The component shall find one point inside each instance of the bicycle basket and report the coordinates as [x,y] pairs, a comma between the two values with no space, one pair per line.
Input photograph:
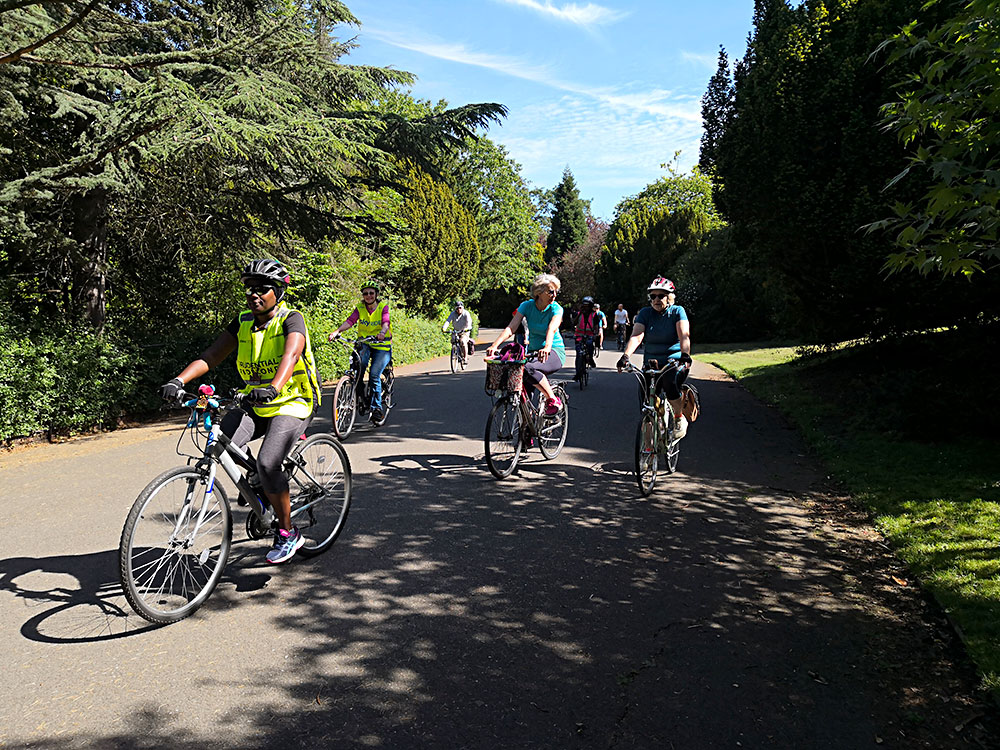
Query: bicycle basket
[504,376]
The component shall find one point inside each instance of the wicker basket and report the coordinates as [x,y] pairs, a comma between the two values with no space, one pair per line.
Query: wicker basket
[506,377]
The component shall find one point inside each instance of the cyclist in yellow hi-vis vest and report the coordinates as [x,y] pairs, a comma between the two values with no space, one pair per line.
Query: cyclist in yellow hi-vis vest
[275,361]
[372,319]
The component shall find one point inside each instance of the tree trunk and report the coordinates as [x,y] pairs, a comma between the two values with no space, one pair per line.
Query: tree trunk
[90,230]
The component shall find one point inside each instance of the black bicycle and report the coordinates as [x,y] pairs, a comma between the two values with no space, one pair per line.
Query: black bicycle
[583,358]
[459,354]
[352,396]
[655,436]
[177,537]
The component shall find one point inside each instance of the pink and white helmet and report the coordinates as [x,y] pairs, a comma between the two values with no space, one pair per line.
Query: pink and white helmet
[663,284]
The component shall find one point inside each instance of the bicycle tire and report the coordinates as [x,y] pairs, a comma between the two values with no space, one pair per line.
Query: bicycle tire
[151,566]
[388,380]
[320,481]
[645,454]
[673,445]
[454,359]
[552,435]
[345,407]
[503,423]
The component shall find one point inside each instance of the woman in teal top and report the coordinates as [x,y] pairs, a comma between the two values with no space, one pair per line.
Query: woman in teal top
[542,315]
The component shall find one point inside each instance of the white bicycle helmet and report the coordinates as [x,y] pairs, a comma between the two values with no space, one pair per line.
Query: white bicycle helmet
[661,283]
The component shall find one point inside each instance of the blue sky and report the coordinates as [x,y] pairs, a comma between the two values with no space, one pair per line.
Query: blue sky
[610,89]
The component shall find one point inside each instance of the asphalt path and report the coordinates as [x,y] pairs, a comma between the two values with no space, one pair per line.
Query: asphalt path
[557,608]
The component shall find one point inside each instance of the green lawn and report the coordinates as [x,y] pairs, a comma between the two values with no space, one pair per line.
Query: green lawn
[912,436]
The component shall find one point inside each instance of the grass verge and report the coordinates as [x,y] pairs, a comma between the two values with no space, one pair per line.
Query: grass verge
[914,442]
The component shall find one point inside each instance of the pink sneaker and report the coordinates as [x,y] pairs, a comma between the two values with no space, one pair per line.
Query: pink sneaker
[552,406]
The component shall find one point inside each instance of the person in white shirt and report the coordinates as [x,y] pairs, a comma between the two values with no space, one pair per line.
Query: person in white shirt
[621,325]
[461,321]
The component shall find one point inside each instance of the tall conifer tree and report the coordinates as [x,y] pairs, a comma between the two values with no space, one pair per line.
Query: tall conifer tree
[569,224]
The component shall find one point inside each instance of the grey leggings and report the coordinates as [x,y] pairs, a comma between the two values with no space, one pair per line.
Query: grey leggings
[280,434]
[534,370]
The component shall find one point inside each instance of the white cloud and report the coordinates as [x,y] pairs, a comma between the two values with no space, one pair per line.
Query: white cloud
[658,102]
[582,15]
[708,61]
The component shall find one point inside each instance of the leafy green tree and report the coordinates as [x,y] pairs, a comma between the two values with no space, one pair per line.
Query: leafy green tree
[242,106]
[948,113]
[444,257]
[569,224]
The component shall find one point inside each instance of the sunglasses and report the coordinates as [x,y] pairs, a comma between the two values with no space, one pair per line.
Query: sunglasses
[259,289]
[368,293]
[553,292]
[657,296]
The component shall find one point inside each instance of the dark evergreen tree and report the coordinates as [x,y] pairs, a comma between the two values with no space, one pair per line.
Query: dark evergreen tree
[569,223]
[716,111]
[241,109]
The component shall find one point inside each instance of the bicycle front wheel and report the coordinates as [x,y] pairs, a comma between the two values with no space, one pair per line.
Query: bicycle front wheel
[454,358]
[344,407]
[320,483]
[503,437]
[171,554]
[645,453]
[552,434]
[672,451]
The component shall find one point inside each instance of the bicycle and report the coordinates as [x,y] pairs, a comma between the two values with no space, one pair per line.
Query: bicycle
[459,354]
[346,395]
[654,435]
[620,335]
[517,420]
[583,361]
[178,534]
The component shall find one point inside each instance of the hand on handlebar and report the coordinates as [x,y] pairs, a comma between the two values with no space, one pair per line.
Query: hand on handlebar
[333,336]
[685,359]
[262,395]
[623,363]
[172,389]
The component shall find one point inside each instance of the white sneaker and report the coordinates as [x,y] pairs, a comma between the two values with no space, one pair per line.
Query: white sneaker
[682,428]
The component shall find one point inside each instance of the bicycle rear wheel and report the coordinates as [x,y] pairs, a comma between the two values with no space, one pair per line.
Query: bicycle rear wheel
[345,405]
[673,446]
[503,437]
[552,435]
[320,483]
[645,453]
[168,563]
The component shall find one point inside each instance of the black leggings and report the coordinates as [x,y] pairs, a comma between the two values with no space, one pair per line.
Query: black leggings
[534,370]
[669,385]
[280,433]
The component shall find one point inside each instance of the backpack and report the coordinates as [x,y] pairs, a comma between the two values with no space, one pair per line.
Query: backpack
[690,403]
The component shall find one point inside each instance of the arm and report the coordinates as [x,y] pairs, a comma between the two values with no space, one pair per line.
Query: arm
[543,353]
[385,324]
[351,320]
[295,343]
[684,336]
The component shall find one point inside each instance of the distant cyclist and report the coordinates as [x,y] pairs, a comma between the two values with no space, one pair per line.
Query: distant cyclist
[542,316]
[372,319]
[665,333]
[602,321]
[585,332]
[461,321]
[621,325]
[275,362]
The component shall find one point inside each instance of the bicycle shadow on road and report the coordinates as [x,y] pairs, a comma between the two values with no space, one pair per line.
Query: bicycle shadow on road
[78,598]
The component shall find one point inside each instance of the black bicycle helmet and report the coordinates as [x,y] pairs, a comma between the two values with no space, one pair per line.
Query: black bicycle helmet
[588,300]
[267,271]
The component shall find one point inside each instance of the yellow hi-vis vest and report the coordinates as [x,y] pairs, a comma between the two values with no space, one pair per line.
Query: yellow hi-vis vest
[370,323]
[257,360]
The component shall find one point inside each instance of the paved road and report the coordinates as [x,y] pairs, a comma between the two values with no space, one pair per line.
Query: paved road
[555,609]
